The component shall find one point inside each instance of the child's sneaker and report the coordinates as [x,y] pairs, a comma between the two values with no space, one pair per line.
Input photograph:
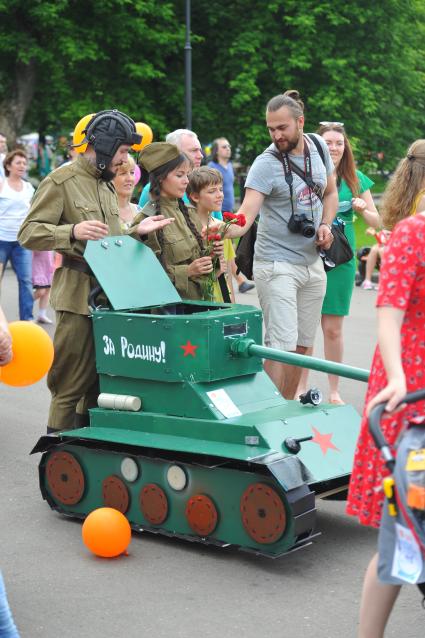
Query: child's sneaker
[368,285]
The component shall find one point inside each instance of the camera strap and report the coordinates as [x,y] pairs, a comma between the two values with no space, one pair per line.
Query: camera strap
[289,166]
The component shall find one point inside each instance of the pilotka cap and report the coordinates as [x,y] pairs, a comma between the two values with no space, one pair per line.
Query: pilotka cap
[157,154]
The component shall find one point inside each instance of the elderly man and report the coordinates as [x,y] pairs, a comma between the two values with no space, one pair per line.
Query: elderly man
[294,190]
[187,142]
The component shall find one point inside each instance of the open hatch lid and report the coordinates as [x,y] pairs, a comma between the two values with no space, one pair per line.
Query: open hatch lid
[129,273]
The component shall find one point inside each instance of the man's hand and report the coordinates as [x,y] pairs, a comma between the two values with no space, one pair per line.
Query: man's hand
[151,224]
[212,229]
[91,229]
[200,267]
[324,237]
[6,353]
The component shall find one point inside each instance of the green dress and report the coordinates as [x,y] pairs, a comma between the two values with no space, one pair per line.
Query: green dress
[340,280]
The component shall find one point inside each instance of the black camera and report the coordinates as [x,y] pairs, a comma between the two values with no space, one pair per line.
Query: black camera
[301,224]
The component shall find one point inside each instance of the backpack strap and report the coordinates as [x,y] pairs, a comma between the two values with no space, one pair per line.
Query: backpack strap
[314,138]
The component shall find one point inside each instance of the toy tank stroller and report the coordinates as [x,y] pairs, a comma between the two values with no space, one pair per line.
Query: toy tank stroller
[401,544]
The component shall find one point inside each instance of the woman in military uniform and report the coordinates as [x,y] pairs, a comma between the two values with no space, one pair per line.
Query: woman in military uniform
[179,247]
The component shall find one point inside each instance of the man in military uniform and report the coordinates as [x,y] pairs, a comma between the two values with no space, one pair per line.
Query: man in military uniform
[75,204]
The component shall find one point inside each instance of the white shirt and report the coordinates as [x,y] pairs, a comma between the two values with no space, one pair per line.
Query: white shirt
[14,207]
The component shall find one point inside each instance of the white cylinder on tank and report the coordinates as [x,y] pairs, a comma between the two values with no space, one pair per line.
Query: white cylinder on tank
[119,402]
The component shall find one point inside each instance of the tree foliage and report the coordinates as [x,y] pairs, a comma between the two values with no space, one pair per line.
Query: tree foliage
[357,62]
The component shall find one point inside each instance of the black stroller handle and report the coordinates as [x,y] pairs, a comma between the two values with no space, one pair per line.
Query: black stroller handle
[375,424]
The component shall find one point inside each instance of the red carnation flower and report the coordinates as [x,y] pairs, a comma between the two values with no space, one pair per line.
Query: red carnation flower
[241,220]
[229,217]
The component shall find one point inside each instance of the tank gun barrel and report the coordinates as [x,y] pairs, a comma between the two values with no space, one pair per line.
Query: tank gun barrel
[248,348]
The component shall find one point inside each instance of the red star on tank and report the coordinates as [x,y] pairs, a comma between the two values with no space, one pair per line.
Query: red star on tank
[189,349]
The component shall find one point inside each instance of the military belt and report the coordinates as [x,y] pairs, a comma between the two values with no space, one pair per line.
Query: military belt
[75,263]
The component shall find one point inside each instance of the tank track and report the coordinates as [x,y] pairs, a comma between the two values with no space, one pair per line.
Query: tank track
[211,500]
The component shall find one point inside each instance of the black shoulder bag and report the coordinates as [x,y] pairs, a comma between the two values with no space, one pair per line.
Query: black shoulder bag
[340,250]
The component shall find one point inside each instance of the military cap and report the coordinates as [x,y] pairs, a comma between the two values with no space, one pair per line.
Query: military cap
[157,154]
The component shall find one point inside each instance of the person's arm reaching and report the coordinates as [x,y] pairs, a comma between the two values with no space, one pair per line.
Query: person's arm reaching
[250,207]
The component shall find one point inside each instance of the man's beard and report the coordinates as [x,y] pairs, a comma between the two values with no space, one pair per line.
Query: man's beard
[289,145]
[107,174]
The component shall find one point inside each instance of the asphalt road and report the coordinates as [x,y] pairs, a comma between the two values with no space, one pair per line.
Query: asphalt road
[169,588]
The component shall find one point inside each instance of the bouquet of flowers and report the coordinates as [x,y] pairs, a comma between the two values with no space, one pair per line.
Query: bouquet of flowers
[229,219]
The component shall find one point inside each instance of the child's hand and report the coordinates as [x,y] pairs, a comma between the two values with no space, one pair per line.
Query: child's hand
[200,267]
[218,249]
[370,231]
[213,228]
[5,347]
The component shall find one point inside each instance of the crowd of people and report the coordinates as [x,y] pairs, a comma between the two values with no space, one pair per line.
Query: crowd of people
[296,189]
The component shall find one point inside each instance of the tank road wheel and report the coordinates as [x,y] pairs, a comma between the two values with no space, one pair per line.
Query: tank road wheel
[115,494]
[263,513]
[201,514]
[65,478]
[154,504]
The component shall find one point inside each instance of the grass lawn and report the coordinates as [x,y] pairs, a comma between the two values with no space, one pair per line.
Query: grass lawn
[359,230]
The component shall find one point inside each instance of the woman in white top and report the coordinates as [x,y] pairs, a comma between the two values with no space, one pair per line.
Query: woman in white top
[15,197]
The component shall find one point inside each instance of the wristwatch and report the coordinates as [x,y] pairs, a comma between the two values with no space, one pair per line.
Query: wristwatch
[325,224]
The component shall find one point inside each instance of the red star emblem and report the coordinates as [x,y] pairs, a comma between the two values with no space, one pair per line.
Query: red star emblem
[324,440]
[189,349]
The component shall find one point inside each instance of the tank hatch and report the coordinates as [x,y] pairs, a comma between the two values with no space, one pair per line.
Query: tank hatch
[126,269]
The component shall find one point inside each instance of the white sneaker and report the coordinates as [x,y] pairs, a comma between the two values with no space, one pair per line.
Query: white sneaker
[45,319]
[368,285]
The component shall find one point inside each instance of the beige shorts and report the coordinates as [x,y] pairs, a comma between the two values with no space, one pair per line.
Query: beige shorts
[291,299]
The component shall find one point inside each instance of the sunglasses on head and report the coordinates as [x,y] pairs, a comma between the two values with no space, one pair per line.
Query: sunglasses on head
[332,124]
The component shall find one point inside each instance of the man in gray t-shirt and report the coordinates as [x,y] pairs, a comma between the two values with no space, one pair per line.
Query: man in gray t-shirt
[288,270]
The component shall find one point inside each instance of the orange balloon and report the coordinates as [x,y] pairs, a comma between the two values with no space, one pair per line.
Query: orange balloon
[78,134]
[32,354]
[106,532]
[147,136]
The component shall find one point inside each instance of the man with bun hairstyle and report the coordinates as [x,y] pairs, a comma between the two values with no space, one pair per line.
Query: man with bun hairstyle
[292,185]
[75,204]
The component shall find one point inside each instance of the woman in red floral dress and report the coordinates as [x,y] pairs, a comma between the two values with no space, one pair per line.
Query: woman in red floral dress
[398,365]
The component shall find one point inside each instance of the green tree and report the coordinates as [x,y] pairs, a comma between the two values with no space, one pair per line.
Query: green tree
[62,59]
[356,62]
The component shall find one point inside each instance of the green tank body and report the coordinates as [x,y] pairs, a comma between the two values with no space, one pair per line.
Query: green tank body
[191,438]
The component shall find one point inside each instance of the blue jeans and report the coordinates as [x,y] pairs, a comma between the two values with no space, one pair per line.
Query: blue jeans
[7,626]
[21,260]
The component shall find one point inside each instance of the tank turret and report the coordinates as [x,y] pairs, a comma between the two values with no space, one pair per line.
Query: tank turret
[191,437]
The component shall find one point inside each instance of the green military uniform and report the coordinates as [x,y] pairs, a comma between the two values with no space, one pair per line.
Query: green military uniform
[180,247]
[69,195]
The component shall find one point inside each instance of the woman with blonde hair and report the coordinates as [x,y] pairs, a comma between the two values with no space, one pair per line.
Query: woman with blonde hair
[397,366]
[124,183]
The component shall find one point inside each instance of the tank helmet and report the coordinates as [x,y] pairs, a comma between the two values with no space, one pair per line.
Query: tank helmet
[107,131]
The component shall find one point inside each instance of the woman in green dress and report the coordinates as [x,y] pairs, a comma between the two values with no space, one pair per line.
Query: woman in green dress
[354,197]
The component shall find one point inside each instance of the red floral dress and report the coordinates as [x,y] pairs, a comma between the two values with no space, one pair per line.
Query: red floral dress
[402,286]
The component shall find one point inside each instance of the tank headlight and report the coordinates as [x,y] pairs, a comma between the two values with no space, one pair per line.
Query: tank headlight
[129,469]
[176,478]
[312,396]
